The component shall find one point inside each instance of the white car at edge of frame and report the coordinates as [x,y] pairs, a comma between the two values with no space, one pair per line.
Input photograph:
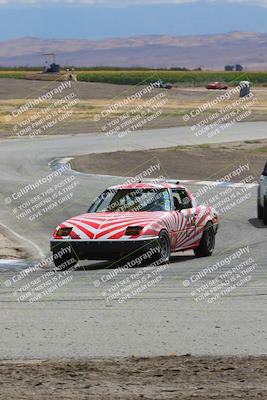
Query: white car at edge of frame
[262,196]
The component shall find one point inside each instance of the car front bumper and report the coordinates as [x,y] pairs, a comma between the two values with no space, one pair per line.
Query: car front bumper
[104,249]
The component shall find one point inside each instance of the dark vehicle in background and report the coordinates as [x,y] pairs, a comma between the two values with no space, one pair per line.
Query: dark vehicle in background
[165,85]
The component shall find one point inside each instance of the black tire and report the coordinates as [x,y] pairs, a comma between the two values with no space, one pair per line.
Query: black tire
[264,214]
[259,206]
[165,248]
[207,243]
[259,210]
[65,262]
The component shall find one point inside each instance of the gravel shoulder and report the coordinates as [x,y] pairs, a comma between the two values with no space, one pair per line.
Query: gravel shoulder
[156,378]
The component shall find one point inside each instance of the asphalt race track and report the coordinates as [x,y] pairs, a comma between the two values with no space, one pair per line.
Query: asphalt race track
[78,319]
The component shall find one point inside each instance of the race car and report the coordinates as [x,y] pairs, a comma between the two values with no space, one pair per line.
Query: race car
[217,86]
[262,196]
[130,219]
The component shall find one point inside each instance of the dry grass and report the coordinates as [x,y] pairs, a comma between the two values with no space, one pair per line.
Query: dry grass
[178,104]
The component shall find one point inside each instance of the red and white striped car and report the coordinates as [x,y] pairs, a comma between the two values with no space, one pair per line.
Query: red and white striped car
[131,218]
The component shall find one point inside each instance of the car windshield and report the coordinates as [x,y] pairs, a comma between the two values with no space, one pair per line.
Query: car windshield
[122,200]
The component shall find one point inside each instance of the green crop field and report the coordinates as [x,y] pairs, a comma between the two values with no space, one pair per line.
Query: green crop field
[13,74]
[138,76]
[186,78]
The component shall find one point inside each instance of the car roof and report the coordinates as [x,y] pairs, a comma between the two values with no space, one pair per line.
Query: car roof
[149,185]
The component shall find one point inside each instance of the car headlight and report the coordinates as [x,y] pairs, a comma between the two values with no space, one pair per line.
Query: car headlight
[133,230]
[63,231]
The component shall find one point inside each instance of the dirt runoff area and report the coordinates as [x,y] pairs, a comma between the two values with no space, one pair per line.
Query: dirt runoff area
[204,162]
[158,378]
[10,248]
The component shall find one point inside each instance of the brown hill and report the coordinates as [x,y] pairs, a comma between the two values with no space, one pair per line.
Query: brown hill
[206,51]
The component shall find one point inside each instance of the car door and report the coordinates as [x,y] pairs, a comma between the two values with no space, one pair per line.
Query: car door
[185,216]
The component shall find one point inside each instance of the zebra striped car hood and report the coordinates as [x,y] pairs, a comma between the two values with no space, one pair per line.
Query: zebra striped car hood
[113,225]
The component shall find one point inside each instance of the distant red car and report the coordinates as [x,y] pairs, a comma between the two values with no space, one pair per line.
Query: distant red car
[217,86]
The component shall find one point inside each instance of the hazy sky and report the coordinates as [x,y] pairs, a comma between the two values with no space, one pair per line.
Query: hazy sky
[113,18]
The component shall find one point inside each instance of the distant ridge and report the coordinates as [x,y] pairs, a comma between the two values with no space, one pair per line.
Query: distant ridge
[205,51]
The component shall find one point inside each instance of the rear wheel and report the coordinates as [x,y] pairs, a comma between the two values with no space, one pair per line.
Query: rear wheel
[264,214]
[207,243]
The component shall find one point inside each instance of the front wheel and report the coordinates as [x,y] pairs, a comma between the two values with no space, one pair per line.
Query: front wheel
[164,248]
[264,215]
[260,210]
[259,206]
[207,243]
